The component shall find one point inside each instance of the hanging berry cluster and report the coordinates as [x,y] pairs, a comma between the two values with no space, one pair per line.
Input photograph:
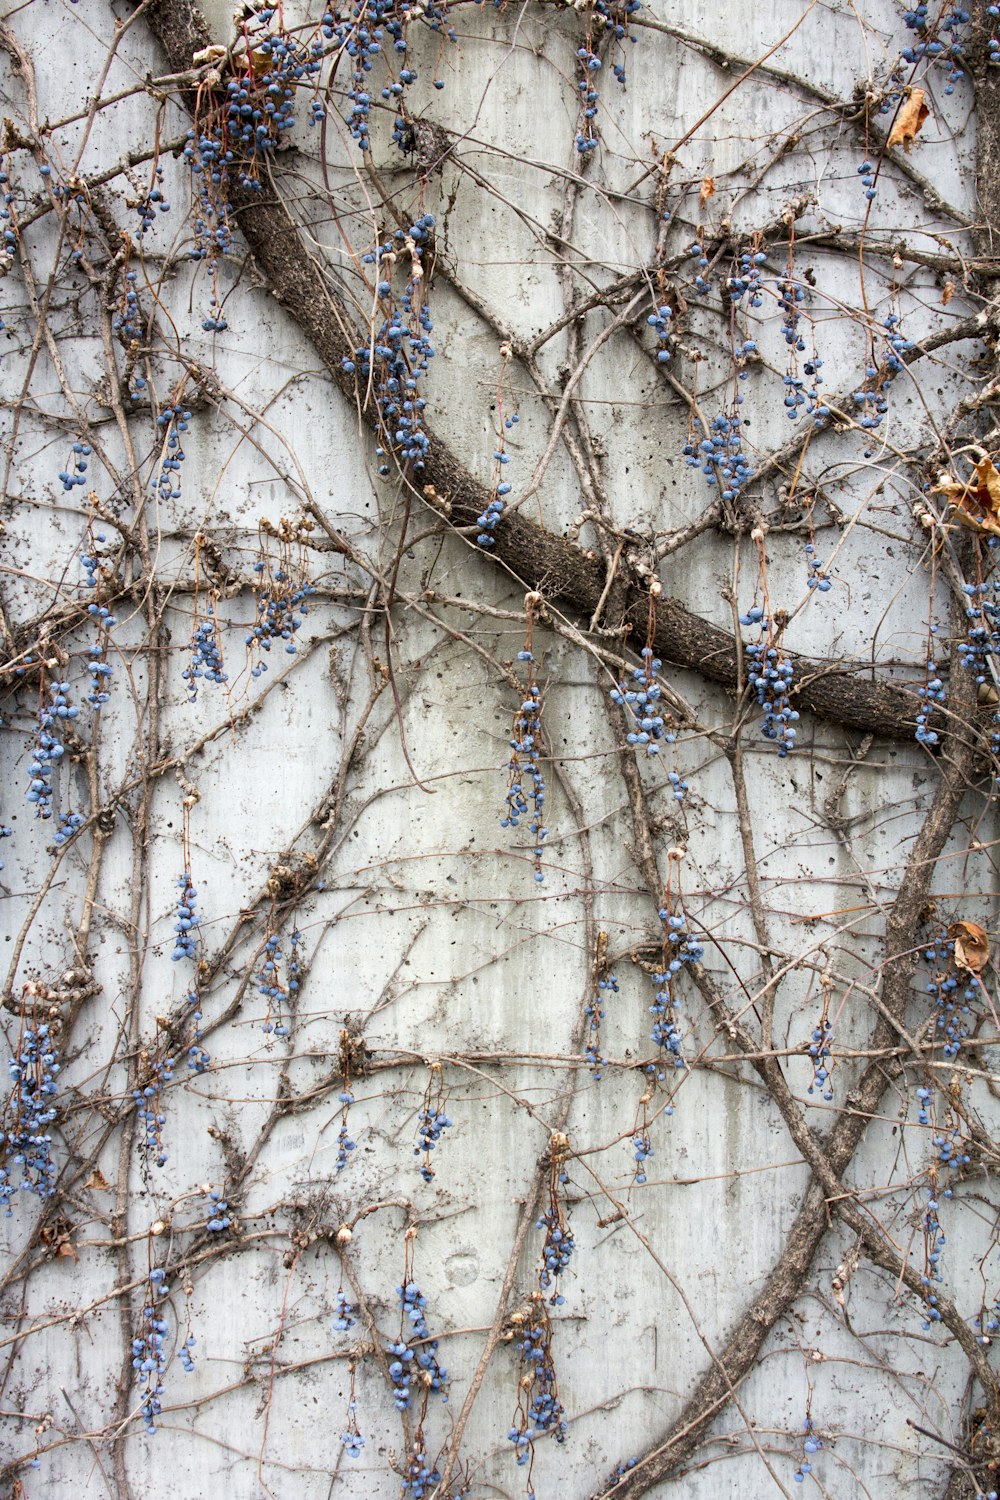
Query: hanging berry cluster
[769,674]
[414,1368]
[433,1120]
[155,1073]
[539,1409]
[26,1161]
[149,1353]
[397,359]
[282,591]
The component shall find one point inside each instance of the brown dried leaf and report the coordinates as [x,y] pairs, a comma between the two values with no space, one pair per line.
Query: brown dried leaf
[911,117]
[972,946]
[977,505]
[98,1181]
[947,292]
[56,1237]
[707,190]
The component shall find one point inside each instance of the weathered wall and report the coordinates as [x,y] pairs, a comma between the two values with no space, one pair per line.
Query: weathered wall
[352,793]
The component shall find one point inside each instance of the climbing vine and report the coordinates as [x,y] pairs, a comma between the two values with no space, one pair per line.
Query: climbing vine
[499,697]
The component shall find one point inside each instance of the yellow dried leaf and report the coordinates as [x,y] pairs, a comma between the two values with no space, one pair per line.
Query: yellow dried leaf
[707,190]
[972,946]
[912,115]
[977,505]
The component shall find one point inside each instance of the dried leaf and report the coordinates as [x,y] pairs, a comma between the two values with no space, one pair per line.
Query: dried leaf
[56,1237]
[977,505]
[972,946]
[947,292]
[911,117]
[98,1181]
[707,190]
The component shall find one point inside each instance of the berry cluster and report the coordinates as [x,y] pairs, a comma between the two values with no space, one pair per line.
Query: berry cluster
[811,1444]
[149,1359]
[350,1436]
[619,1471]
[218,1213]
[660,320]
[345,1145]
[791,295]
[610,16]
[940,39]
[816,571]
[432,1121]
[151,203]
[198,1059]
[416,1365]
[679,949]
[6,219]
[953,999]
[206,654]
[259,106]
[281,608]
[269,984]
[642,1150]
[159,1072]
[539,1409]
[49,751]
[77,473]
[188,920]
[367,29]
[934,692]
[746,282]
[25,1142]
[820,1049]
[934,1242]
[702,285]
[173,423]
[96,572]
[770,674]
[127,320]
[557,1250]
[648,729]
[588,65]
[236,133]
[981,648]
[345,1313]
[720,456]
[209,160]
[401,349]
[420,1475]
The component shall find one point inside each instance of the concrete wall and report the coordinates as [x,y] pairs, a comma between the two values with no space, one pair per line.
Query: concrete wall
[428,951]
